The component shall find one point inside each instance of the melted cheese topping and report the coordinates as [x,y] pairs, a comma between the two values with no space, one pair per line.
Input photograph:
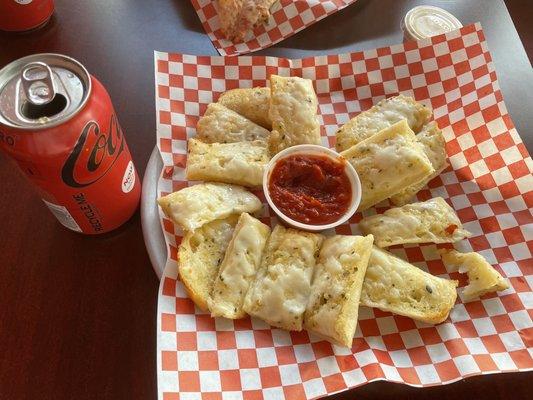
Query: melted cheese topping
[392,152]
[293,111]
[337,254]
[222,125]
[387,163]
[433,145]
[332,307]
[381,116]
[253,104]
[240,163]
[429,221]
[392,284]
[286,288]
[197,205]
[238,267]
[280,291]
[482,277]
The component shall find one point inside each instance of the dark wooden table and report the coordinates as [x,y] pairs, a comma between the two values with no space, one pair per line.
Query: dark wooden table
[77,314]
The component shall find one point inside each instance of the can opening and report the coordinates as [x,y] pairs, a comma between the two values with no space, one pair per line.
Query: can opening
[35,111]
[42,91]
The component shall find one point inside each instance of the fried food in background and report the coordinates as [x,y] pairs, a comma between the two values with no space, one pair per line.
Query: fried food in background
[239,17]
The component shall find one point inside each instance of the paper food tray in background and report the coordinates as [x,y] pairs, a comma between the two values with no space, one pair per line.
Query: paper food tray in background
[288,17]
[489,184]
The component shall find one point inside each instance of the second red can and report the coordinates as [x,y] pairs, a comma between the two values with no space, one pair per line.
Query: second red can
[24,15]
[58,123]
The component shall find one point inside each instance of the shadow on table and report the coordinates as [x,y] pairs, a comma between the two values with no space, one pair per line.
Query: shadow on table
[188,15]
[340,29]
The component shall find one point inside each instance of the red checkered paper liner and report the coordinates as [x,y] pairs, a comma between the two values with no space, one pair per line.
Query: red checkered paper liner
[288,17]
[489,183]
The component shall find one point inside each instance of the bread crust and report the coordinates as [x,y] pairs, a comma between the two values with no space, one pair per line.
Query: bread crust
[199,256]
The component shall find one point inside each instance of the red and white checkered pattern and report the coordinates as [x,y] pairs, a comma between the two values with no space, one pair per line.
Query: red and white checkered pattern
[288,17]
[489,183]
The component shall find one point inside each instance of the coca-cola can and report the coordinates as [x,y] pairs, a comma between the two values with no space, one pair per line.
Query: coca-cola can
[24,15]
[58,124]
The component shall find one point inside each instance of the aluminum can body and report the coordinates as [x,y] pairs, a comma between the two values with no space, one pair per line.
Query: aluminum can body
[24,15]
[80,163]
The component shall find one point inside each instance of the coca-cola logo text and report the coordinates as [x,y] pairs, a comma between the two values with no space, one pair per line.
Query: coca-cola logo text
[94,154]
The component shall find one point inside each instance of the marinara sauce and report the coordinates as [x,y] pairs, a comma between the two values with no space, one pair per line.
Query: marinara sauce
[311,189]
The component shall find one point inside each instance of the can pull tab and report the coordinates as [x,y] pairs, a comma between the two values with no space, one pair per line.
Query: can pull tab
[38,83]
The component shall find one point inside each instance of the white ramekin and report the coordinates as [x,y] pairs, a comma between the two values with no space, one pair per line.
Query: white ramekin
[312,149]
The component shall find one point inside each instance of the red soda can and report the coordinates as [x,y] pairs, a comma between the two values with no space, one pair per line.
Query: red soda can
[58,124]
[24,15]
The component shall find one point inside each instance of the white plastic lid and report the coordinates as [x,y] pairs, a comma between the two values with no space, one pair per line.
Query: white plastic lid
[425,21]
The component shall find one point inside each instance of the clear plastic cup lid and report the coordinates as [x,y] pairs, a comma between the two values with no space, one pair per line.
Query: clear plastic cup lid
[426,21]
